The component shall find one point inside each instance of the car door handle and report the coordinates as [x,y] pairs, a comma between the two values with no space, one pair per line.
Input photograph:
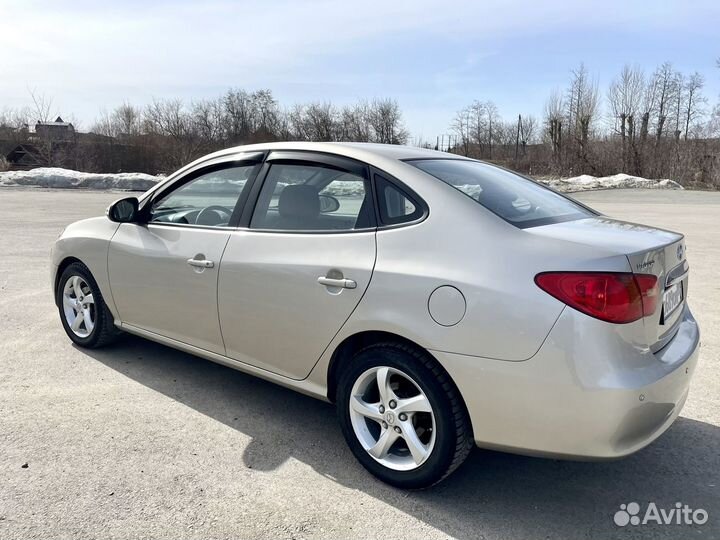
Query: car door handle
[200,263]
[332,282]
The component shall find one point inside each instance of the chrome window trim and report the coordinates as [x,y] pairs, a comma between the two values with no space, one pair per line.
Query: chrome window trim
[182,173]
[311,157]
[187,226]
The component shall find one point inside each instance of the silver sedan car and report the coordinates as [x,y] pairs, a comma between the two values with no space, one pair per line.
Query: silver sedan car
[440,302]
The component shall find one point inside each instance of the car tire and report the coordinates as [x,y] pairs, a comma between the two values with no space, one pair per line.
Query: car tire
[75,287]
[444,433]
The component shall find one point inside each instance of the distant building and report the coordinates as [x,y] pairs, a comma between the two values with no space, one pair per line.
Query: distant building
[50,144]
[24,157]
[58,130]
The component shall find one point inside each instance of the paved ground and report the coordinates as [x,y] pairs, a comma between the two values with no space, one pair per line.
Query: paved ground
[141,441]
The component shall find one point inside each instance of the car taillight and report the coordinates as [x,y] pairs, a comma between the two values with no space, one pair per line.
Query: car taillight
[648,285]
[617,297]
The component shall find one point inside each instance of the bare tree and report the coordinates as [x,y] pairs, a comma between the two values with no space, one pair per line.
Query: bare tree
[54,147]
[124,121]
[712,129]
[266,114]
[625,97]
[315,122]
[487,127]
[648,108]
[386,122]
[666,87]
[284,128]
[355,122]
[42,105]
[525,133]
[104,125]
[477,127]
[554,114]
[461,128]
[14,125]
[208,119]
[506,135]
[128,119]
[679,104]
[582,107]
[528,129]
[170,120]
[694,100]
[239,116]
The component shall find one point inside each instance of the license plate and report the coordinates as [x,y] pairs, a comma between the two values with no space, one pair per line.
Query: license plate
[672,298]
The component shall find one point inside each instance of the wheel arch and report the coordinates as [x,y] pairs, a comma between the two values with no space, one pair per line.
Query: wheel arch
[97,272]
[344,352]
[67,261]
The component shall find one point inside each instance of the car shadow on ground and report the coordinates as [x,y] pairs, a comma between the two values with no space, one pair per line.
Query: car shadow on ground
[522,496]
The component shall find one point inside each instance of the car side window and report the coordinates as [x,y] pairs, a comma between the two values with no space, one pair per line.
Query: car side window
[207,200]
[312,197]
[394,204]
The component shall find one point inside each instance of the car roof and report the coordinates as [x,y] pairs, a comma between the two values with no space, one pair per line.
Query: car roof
[361,151]
[386,157]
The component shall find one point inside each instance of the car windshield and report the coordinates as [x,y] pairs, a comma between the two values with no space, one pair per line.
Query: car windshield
[514,198]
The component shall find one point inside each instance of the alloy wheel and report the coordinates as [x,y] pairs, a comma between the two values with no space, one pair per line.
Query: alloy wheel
[79,306]
[392,418]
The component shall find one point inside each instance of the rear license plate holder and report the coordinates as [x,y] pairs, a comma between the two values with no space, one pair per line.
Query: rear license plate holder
[672,299]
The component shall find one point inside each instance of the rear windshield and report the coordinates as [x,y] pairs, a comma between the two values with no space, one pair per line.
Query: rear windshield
[514,198]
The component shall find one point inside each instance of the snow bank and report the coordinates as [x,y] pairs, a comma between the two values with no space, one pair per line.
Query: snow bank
[586,182]
[53,177]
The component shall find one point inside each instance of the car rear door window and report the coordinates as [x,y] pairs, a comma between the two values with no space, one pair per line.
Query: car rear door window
[394,204]
[312,197]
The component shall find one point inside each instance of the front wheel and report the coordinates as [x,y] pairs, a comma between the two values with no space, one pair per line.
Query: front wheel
[83,313]
[402,416]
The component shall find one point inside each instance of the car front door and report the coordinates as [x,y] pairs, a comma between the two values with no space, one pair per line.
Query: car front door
[297,267]
[163,272]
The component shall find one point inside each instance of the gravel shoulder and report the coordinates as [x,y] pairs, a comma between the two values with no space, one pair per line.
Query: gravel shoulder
[140,441]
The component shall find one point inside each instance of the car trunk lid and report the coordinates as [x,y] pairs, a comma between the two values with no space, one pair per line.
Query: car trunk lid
[649,251]
[668,263]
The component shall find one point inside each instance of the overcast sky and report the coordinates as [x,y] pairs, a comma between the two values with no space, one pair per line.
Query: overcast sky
[433,57]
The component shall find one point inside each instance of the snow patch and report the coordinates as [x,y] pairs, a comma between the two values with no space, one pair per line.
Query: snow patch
[55,177]
[586,182]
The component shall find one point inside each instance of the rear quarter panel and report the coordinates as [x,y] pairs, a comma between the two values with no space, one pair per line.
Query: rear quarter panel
[491,262]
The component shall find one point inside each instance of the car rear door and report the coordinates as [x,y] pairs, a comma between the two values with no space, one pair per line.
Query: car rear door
[300,262]
[163,272]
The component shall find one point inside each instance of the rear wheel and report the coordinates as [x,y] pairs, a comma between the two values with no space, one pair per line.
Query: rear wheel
[83,313]
[402,416]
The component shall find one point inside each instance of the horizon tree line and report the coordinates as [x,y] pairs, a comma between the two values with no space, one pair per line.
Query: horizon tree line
[654,124]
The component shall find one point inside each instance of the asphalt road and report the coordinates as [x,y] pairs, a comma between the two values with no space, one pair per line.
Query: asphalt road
[141,441]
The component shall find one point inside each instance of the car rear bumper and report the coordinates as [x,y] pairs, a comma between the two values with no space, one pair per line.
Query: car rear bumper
[588,393]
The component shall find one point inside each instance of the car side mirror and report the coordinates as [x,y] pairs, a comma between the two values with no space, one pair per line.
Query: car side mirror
[124,210]
[328,204]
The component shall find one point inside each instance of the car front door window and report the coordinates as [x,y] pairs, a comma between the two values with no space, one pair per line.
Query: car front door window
[208,200]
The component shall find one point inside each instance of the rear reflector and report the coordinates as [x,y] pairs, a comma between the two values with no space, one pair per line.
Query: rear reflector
[616,297]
